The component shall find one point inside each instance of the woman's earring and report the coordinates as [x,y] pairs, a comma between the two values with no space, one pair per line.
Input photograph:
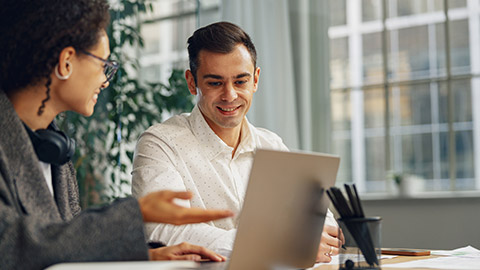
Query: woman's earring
[60,77]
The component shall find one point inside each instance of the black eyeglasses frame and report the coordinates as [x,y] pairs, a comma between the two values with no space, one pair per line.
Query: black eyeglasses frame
[110,67]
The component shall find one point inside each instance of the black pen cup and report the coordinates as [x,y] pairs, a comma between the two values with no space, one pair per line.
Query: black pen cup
[362,247]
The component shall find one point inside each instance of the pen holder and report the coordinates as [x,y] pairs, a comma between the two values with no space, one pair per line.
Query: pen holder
[362,243]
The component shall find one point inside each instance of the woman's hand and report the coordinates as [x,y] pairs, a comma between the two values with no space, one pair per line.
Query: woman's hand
[184,251]
[159,207]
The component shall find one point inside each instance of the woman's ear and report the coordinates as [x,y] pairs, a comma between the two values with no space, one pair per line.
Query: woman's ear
[64,67]
[192,86]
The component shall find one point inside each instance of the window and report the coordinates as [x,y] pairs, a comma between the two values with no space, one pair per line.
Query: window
[165,31]
[390,97]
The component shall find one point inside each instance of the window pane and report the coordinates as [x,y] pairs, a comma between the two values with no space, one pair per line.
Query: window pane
[165,47]
[374,108]
[456,4]
[338,12]
[460,48]
[409,54]
[410,105]
[341,110]
[465,169]
[341,141]
[410,7]
[374,114]
[339,63]
[438,4]
[417,155]
[174,34]
[375,162]
[372,58]
[440,57]
[168,8]
[462,94]
[371,10]
[151,38]
[206,4]
[209,12]
[465,172]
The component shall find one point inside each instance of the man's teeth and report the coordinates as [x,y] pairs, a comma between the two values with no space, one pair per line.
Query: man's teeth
[228,110]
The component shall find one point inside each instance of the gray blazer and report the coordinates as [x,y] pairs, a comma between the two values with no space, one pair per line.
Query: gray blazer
[38,230]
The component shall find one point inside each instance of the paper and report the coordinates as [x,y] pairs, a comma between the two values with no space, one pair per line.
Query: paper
[457,259]
[465,251]
[450,263]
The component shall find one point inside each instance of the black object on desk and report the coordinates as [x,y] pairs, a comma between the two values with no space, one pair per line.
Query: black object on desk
[352,214]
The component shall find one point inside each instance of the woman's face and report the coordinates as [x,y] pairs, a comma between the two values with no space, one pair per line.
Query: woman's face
[79,93]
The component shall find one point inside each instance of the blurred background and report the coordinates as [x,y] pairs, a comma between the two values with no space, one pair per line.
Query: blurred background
[391,86]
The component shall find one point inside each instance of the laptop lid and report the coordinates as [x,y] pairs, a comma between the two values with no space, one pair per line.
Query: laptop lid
[284,210]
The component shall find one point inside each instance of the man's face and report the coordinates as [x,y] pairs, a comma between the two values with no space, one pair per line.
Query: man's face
[225,87]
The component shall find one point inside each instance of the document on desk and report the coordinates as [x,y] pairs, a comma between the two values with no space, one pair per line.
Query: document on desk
[458,259]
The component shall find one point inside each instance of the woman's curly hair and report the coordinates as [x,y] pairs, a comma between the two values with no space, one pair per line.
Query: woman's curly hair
[33,33]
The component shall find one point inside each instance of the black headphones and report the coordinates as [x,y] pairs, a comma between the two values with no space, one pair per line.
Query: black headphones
[51,145]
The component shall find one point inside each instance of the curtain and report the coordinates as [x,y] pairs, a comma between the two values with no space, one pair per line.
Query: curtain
[291,38]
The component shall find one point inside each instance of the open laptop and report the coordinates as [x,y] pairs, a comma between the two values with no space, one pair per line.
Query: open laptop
[284,211]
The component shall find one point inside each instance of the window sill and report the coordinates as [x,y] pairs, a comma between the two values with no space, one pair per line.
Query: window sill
[421,195]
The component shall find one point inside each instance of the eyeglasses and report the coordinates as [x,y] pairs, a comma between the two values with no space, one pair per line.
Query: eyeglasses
[110,68]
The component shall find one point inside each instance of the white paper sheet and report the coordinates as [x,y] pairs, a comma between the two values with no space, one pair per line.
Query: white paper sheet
[449,262]
[465,251]
[466,258]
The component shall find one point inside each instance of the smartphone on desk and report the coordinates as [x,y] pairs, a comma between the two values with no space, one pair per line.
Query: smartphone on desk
[405,251]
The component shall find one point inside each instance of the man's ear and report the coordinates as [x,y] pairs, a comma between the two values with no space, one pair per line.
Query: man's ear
[192,86]
[256,77]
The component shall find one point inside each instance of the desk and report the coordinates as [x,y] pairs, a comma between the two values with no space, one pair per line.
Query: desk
[397,259]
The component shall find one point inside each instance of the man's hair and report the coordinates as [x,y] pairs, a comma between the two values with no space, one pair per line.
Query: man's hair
[220,37]
[33,33]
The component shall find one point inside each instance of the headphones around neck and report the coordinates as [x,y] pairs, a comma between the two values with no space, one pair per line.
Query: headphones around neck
[51,145]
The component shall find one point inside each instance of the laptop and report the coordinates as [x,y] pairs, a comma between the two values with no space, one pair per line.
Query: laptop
[283,212]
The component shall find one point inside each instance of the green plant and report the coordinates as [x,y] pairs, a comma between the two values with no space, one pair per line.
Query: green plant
[106,140]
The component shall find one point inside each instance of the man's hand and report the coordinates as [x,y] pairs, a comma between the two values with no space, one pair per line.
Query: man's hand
[330,244]
[159,207]
[184,251]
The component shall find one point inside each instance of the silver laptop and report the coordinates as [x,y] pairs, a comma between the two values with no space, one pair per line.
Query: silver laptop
[284,211]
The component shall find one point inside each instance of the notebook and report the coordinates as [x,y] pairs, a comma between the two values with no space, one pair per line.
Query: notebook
[284,211]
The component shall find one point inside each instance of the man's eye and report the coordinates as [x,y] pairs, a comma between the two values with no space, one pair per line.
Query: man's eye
[241,82]
[214,83]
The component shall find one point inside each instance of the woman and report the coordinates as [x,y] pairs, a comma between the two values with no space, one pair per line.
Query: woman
[53,56]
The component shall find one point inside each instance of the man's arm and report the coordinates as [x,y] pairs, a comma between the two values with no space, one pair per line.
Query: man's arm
[154,168]
[202,234]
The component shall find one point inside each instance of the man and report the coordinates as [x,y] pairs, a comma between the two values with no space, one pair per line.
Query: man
[210,151]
